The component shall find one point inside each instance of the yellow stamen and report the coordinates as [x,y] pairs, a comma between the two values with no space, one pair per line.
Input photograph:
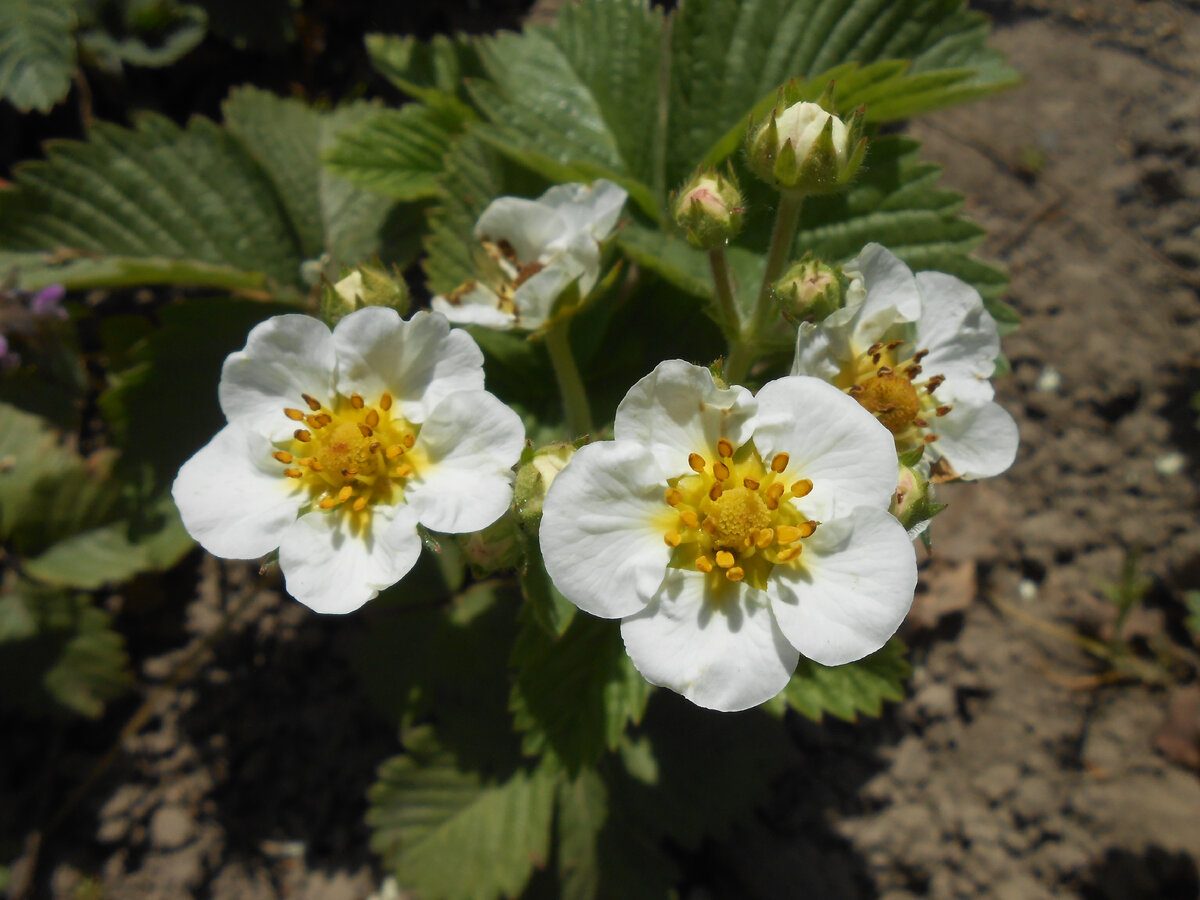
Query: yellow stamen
[787,534]
[327,503]
[764,538]
[689,518]
[283,456]
[725,449]
[720,471]
[942,410]
[709,525]
[790,553]
[802,488]
[750,484]
[360,504]
[806,529]
[365,430]
[704,564]
[373,447]
[373,418]
[715,492]
[672,538]
[737,573]
[294,414]
[301,435]
[404,471]
[393,451]
[725,559]
[930,438]
[774,492]
[345,493]
[780,462]
[385,402]
[292,473]
[313,403]
[696,461]
[356,401]
[674,496]
[324,419]
[409,440]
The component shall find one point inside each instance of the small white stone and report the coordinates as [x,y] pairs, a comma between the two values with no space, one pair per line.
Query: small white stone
[1170,464]
[1049,381]
[1027,590]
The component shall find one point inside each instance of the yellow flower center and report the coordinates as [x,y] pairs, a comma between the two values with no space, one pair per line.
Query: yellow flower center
[895,391]
[734,518]
[351,455]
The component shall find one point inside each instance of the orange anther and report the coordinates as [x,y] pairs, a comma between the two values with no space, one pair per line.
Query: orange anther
[301,435]
[393,451]
[715,492]
[294,414]
[920,355]
[360,504]
[356,401]
[704,564]
[780,462]
[314,465]
[385,402]
[672,538]
[921,423]
[720,471]
[737,573]
[912,372]
[875,348]
[807,528]
[942,410]
[327,503]
[802,488]
[404,471]
[787,534]
[313,403]
[372,418]
[750,484]
[775,492]
[789,553]
[725,449]
[365,430]
[373,447]
[696,461]
[292,473]
[283,456]
[892,345]
[408,440]
[324,419]
[725,559]
[884,371]
[930,438]
[345,493]
[709,525]
[689,518]
[673,496]
[764,538]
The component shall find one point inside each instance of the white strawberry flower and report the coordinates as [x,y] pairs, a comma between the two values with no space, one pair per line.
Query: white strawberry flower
[731,532]
[917,351]
[339,444]
[535,250]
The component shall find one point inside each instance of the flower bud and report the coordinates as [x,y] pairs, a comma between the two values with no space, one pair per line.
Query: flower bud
[802,147]
[371,284]
[494,548]
[810,290]
[534,477]
[709,209]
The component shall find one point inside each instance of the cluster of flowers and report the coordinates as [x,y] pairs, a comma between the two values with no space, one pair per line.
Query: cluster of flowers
[729,531]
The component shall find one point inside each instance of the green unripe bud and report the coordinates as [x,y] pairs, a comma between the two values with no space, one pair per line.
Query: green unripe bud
[810,290]
[494,548]
[371,284]
[709,209]
[804,148]
[534,477]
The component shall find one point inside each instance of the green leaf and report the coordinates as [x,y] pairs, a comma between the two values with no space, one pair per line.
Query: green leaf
[575,695]
[30,451]
[288,138]
[582,809]
[449,833]
[396,152]
[151,34]
[432,72]
[855,688]
[37,52]
[58,649]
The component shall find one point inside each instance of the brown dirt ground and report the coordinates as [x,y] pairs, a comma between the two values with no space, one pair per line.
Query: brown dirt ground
[1013,770]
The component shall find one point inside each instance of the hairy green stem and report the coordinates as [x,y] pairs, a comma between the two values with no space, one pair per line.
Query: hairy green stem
[745,351]
[723,288]
[570,385]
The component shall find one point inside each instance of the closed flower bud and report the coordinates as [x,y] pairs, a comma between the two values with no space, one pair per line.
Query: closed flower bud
[709,209]
[371,284]
[494,548]
[810,290]
[534,477]
[802,147]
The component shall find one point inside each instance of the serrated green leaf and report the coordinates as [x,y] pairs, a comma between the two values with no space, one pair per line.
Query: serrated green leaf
[575,695]
[850,690]
[432,72]
[37,52]
[152,35]
[62,650]
[288,138]
[449,834]
[399,153]
[30,451]
[582,809]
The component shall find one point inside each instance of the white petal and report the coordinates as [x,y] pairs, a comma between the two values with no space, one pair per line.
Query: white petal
[955,328]
[978,441]
[478,306]
[528,225]
[234,498]
[678,409]
[472,441]
[830,439]
[853,590]
[534,299]
[600,533]
[419,361]
[332,570]
[721,651]
[816,352]
[284,357]
[892,294]
[587,209]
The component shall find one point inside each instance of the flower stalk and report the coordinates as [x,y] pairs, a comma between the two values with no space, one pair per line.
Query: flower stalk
[570,384]
[731,320]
